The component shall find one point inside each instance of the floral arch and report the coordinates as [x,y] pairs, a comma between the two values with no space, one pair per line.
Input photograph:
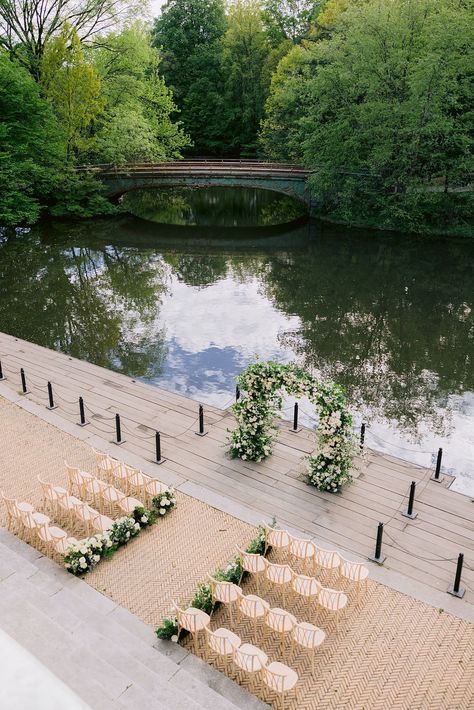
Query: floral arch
[255,414]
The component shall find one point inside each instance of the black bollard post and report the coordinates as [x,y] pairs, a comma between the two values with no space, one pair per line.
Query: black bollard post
[362,436]
[237,393]
[82,414]
[50,397]
[438,467]
[158,458]
[295,428]
[24,388]
[118,431]
[456,590]
[378,558]
[201,431]
[411,499]
[2,376]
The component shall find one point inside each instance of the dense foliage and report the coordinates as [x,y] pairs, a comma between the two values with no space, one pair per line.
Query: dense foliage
[374,96]
[380,106]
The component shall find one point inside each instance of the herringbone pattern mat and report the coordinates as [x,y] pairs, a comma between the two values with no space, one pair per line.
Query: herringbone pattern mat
[164,563]
[391,653]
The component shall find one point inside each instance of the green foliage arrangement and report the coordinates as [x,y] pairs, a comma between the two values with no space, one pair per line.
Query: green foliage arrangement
[255,414]
[86,554]
[203,596]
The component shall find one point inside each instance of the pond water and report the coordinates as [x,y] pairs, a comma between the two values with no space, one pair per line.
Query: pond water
[188,307]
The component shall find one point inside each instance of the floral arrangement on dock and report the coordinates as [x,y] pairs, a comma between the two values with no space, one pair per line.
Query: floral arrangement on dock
[255,413]
[83,556]
[203,597]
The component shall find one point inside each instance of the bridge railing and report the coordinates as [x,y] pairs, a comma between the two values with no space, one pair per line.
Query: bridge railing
[229,167]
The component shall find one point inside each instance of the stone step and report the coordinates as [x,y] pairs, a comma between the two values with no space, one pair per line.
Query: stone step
[104,653]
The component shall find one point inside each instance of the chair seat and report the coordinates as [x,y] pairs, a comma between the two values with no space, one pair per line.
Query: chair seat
[229,641]
[305,586]
[247,649]
[230,593]
[153,486]
[282,575]
[287,680]
[129,504]
[281,621]
[68,502]
[62,544]
[248,607]
[56,533]
[200,618]
[102,522]
[333,602]
[59,490]
[308,635]
[40,518]
[93,485]
[354,576]
[25,507]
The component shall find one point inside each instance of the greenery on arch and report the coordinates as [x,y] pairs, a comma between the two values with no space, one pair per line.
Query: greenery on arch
[262,382]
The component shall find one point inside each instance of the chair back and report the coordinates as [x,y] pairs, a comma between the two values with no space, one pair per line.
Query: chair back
[352,570]
[307,635]
[278,574]
[279,620]
[253,606]
[301,548]
[187,618]
[10,506]
[83,512]
[305,586]
[274,680]
[112,494]
[332,599]
[136,477]
[250,561]
[26,518]
[327,558]
[276,538]
[249,661]
[219,644]
[224,592]
[74,475]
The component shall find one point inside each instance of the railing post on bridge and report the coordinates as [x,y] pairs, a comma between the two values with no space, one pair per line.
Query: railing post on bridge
[158,458]
[201,431]
[82,414]
[378,557]
[118,431]
[50,397]
[436,476]
[295,428]
[24,388]
[456,589]
[410,514]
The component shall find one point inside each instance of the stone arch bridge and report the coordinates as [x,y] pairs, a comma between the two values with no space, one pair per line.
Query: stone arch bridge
[286,178]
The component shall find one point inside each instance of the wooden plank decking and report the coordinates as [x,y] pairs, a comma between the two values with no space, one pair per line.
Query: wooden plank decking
[423,550]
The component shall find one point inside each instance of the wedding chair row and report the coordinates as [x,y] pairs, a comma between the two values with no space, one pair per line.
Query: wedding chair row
[246,657]
[130,479]
[105,496]
[69,509]
[254,607]
[354,573]
[24,520]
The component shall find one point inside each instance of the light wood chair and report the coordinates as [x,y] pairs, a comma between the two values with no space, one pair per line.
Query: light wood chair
[50,495]
[105,465]
[137,482]
[101,523]
[355,573]
[223,643]
[110,497]
[94,491]
[226,593]
[62,545]
[308,637]
[306,587]
[252,607]
[77,480]
[303,551]
[327,561]
[253,564]
[280,679]
[281,622]
[127,504]
[153,488]
[85,515]
[30,522]
[249,660]
[66,506]
[49,534]
[193,620]
[121,477]
[276,539]
[278,575]
[13,510]
[333,602]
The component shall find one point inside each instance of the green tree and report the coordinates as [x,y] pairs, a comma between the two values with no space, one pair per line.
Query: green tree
[136,123]
[245,53]
[189,34]
[72,86]
[31,146]
[288,19]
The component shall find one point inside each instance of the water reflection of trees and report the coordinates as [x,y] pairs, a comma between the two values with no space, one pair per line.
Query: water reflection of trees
[95,303]
[391,320]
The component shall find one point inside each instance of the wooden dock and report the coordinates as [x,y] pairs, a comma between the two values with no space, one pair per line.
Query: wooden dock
[423,550]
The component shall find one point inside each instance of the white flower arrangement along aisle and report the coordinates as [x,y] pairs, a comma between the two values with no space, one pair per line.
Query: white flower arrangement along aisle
[255,413]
